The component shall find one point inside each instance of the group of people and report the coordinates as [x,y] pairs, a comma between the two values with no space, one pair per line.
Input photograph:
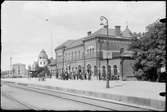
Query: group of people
[65,75]
[87,75]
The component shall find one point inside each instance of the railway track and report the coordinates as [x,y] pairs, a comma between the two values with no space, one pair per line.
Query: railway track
[20,102]
[109,105]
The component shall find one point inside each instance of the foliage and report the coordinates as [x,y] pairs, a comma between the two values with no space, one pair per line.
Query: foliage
[150,52]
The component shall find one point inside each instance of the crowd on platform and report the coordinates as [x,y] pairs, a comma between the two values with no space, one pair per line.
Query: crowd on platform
[88,75]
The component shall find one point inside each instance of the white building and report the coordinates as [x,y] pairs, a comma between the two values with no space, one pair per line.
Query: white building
[19,70]
[42,59]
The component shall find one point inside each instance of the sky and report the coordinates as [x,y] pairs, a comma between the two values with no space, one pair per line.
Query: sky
[27,27]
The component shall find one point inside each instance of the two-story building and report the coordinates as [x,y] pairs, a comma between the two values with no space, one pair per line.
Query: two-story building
[89,53]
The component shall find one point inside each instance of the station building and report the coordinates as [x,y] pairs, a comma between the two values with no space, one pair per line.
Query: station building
[90,53]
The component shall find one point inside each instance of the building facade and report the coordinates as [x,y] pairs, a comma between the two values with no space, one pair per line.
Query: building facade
[90,53]
[19,70]
[52,67]
[42,59]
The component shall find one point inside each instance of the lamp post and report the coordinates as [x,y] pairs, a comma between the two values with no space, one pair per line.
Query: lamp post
[106,26]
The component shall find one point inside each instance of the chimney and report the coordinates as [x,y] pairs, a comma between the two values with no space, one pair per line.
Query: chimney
[89,33]
[118,30]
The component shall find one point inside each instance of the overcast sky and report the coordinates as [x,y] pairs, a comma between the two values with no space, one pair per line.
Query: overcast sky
[25,31]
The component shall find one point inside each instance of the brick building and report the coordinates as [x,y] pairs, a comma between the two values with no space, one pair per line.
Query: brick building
[88,53]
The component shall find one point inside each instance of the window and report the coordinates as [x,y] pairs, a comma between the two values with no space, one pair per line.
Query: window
[79,54]
[72,56]
[75,55]
[90,51]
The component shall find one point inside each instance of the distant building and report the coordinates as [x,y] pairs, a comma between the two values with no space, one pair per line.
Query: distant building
[42,59]
[19,70]
[5,74]
[34,66]
[89,53]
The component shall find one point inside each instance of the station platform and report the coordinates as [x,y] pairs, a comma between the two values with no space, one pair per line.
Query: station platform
[140,93]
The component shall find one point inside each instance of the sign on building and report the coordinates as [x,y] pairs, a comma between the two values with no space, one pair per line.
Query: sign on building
[107,54]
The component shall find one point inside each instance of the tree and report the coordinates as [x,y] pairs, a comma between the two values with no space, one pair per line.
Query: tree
[150,52]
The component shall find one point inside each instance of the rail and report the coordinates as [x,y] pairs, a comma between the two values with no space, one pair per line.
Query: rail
[82,99]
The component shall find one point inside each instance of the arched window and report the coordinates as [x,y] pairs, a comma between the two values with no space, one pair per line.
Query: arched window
[75,55]
[95,70]
[78,54]
[72,56]
[115,70]
[90,51]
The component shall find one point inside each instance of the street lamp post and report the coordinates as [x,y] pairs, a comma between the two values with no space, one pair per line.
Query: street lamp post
[106,26]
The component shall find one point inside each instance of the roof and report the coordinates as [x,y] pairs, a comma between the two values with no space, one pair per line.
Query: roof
[127,32]
[100,32]
[75,43]
[103,31]
[43,54]
[53,62]
[66,43]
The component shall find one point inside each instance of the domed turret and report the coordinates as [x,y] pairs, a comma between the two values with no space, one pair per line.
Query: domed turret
[42,59]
